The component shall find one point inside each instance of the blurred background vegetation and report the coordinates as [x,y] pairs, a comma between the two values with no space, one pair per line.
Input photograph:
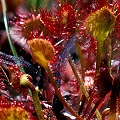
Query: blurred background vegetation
[13,7]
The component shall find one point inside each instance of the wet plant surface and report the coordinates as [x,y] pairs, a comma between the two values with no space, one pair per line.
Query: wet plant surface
[59,60]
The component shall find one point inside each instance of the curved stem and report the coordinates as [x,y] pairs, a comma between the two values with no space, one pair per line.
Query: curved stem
[24,82]
[37,104]
[60,96]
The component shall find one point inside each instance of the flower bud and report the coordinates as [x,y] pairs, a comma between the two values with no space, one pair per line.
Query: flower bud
[42,51]
[101,23]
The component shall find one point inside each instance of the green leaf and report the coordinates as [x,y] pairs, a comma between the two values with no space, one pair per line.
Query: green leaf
[8,32]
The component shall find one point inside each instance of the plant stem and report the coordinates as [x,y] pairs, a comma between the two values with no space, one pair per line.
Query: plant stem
[115,94]
[8,33]
[82,86]
[81,60]
[7,28]
[111,55]
[60,96]
[78,78]
[24,82]
[37,104]
[99,55]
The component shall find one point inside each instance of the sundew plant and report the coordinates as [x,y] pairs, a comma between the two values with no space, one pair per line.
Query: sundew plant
[60,60]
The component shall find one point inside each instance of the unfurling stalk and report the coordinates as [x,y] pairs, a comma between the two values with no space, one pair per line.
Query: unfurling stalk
[105,113]
[60,96]
[37,104]
[24,82]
